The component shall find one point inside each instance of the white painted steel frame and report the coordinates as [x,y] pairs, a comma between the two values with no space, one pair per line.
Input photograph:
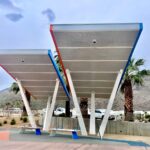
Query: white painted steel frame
[53,103]
[110,104]
[76,104]
[26,104]
[47,114]
[99,62]
[92,115]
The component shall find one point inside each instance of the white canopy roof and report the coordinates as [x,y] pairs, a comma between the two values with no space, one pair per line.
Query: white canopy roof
[34,69]
[93,53]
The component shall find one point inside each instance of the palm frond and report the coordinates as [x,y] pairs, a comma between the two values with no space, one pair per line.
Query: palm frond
[144,72]
[137,80]
[14,88]
[139,62]
[134,73]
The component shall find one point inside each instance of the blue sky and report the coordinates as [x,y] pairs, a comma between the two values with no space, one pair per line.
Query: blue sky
[25,23]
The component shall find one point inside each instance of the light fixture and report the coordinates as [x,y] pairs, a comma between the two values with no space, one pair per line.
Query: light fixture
[94,41]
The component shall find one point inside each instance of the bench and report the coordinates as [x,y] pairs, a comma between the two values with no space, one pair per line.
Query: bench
[73,131]
[37,129]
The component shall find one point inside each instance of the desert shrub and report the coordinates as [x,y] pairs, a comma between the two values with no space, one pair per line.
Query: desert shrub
[5,122]
[13,122]
[1,124]
[25,119]
[21,118]
[147,116]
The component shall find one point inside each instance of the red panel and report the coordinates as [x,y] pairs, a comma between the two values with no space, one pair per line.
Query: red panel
[58,51]
[8,72]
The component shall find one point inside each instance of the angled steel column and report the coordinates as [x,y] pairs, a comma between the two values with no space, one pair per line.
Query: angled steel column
[92,115]
[58,73]
[76,104]
[25,101]
[110,103]
[53,103]
[47,113]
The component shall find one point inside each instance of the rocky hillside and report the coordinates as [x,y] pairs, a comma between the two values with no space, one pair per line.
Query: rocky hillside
[15,100]
[141,99]
[8,97]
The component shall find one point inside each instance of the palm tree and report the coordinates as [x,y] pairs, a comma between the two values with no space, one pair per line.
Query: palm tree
[64,78]
[7,107]
[133,76]
[15,89]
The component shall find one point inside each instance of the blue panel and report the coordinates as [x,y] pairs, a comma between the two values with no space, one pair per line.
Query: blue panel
[75,135]
[135,43]
[58,73]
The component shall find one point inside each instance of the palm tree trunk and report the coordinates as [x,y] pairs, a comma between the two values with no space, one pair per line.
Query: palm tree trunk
[24,113]
[68,114]
[128,107]
[67,108]
[84,106]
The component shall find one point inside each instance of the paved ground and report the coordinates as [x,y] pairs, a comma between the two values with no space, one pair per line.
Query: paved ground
[145,139]
[63,146]
[13,140]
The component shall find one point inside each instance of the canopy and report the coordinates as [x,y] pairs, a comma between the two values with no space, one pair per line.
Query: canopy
[94,54]
[34,69]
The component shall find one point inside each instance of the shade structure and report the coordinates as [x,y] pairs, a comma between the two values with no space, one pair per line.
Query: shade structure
[34,69]
[95,53]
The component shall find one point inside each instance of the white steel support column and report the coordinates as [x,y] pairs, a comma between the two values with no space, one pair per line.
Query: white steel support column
[47,113]
[92,115]
[26,104]
[53,103]
[76,104]
[109,106]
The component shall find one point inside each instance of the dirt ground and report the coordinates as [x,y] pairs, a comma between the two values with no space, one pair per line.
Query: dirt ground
[18,120]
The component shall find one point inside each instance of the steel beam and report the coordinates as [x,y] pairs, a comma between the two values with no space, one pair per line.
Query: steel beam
[76,104]
[92,115]
[47,113]
[53,103]
[25,101]
[110,104]
[58,73]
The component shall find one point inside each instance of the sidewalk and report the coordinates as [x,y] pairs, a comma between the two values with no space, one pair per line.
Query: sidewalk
[144,139]
[64,146]
[12,139]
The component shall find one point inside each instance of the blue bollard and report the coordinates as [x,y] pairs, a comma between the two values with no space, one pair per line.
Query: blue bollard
[37,131]
[74,135]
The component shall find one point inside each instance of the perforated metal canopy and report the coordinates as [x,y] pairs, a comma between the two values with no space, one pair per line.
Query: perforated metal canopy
[34,69]
[94,54]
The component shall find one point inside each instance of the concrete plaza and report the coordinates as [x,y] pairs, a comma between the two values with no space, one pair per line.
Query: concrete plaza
[14,140]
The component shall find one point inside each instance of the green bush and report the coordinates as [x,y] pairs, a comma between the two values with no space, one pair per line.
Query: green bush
[21,118]
[13,122]
[1,124]
[147,116]
[25,119]
[5,122]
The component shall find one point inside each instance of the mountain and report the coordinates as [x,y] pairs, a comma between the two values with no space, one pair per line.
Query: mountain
[15,100]
[141,99]
[9,97]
